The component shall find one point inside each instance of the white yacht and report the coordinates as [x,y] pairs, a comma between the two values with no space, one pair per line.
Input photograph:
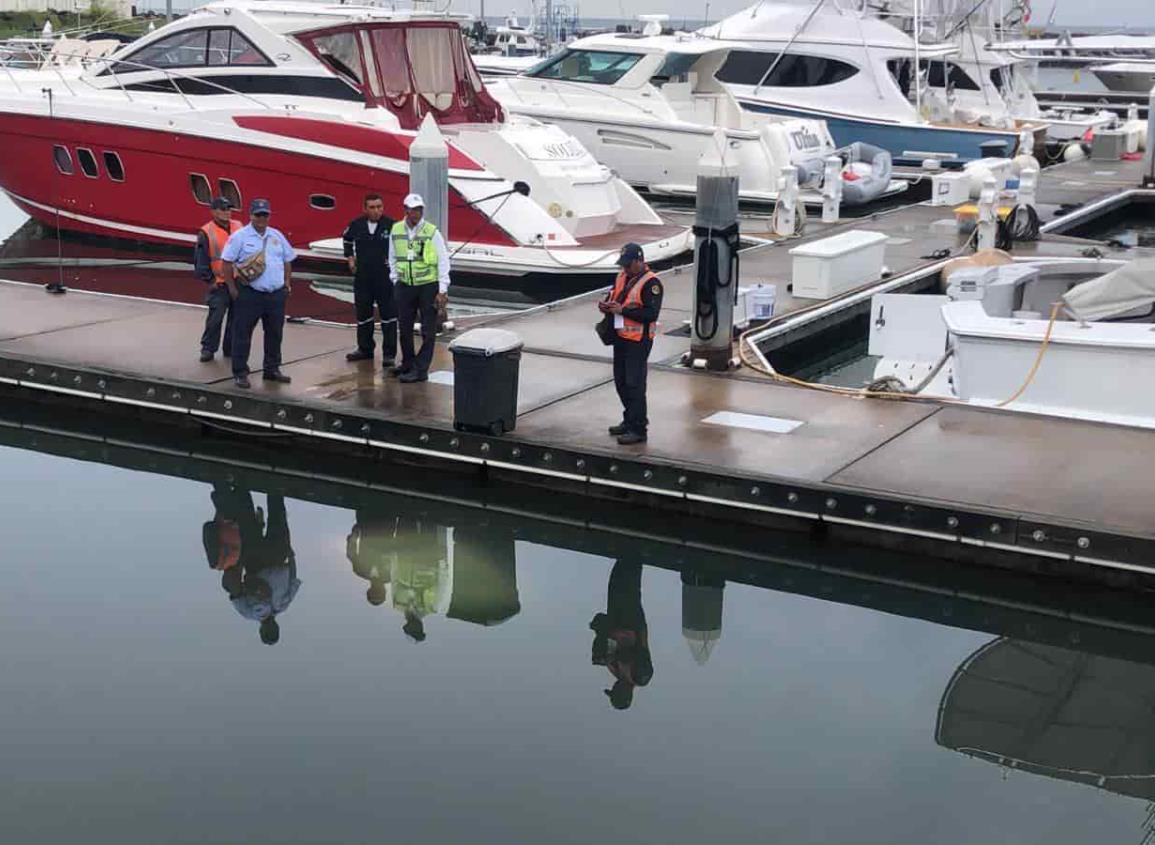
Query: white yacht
[995,338]
[1136,77]
[858,73]
[649,107]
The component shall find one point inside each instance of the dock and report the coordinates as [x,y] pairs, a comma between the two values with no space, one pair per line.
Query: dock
[1038,493]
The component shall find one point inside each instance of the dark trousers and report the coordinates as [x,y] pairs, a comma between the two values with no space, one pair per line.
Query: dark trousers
[415,301]
[630,365]
[220,313]
[376,290]
[250,308]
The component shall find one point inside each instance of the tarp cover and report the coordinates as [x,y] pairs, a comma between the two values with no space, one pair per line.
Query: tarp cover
[1130,287]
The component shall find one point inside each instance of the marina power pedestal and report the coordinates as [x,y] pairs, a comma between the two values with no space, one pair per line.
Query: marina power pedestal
[715,260]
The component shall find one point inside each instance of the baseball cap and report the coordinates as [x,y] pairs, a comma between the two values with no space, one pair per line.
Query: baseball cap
[221,204]
[414,201]
[260,207]
[630,253]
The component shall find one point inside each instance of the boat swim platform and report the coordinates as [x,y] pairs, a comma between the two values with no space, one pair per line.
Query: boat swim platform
[1034,492]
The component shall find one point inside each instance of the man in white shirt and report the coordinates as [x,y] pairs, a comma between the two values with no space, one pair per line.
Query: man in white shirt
[419,269]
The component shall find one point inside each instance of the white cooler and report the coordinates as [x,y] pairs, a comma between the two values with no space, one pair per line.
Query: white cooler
[834,265]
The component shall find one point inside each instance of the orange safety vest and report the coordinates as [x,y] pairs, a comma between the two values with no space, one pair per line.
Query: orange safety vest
[632,330]
[217,239]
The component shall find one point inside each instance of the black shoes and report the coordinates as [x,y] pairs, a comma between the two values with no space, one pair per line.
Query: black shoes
[412,376]
[387,364]
[242,382]
[618,430]
[56,287]
[631,438]
[276,376]
[399,370]
[206,357]
[358,355]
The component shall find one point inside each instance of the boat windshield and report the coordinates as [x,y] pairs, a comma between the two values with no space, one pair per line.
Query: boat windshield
[412,68]
[597,66]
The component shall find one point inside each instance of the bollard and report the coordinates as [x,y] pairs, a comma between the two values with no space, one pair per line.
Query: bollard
[429,173]
[715,254]
[1149,155]
[832,189]
[786,211]
[1026,143]
[1028,185]
[988,214]
[1132,112]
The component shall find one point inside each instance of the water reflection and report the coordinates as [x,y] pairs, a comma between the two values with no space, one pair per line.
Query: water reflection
[621,637]
[254,554]
[1056,712]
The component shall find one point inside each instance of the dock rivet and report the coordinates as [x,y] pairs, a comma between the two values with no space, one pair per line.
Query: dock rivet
[308,418]
[755,491]
[792,498]
[484,448]
[952,521]
[515,452]
[54,375]
[547,457]
[613,469]
[150,392]
[996,528]
[281,414]
[365,429]
[581,463]
[1039,535]
[77,379]
[228,404]
[871,510]
[1084,542]
[424,438]
[454,443]
[336,424]
[101,384]
[31,371]
[831,503]
[683,481]
[176,395]
[648,474]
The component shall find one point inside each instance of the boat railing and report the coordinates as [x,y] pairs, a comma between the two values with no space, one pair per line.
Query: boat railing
[585,88]
[112,63]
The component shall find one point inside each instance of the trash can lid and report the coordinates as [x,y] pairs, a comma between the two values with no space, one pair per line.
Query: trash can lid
[486,342]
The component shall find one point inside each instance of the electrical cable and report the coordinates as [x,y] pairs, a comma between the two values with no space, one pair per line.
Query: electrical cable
[1020,226]
[708,282]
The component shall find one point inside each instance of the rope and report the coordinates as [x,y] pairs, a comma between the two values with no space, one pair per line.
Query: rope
[1038,358]
[1021,225]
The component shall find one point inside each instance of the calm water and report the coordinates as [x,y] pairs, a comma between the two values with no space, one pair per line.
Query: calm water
[140,705]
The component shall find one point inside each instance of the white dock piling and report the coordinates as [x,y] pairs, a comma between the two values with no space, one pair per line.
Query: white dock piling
[988,214]
[832,189]
[786,213]
[429,173]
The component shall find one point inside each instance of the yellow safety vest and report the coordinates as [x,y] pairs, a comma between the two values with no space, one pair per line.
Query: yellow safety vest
[416,258]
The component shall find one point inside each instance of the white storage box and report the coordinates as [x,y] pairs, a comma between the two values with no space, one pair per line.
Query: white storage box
[834,265]
[950,188]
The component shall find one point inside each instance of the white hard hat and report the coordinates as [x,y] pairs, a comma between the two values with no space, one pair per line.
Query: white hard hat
[414,201]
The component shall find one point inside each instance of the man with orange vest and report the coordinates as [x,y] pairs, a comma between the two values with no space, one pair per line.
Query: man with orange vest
[635,303]
[211,240]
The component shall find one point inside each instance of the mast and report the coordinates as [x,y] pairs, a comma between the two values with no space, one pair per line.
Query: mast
[917,58]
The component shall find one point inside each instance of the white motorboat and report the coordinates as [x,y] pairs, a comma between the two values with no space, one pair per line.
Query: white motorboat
[494,66]
[996,339]
[649,107]
[1127,77]
[310,106]
[858,74]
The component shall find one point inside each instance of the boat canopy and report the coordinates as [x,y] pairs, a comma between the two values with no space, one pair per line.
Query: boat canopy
[412,68]
[1128,288]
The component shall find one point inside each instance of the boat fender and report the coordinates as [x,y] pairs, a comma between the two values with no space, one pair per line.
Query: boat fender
[1074,152]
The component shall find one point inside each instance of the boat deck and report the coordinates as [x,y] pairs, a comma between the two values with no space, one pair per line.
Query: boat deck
[1066,494]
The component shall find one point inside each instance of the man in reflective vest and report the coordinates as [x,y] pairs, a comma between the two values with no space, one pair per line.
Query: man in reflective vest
[211,240]
[635,303]
[419,269]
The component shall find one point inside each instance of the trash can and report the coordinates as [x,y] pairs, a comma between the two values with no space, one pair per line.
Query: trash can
[486,363]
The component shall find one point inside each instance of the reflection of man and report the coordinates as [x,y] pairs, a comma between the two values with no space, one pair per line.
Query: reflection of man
[420,573]
[621,639]
[371,548]
[262,580]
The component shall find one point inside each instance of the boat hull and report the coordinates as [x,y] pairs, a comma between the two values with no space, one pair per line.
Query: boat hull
[908,144]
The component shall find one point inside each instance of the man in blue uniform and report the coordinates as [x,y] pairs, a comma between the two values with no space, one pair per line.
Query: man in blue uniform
[367,252]
[257,265]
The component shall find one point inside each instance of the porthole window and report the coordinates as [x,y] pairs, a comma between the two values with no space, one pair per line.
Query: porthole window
[202,193]
[323,202]
[230,191]
[87,162]
[63,160]
[114,167]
